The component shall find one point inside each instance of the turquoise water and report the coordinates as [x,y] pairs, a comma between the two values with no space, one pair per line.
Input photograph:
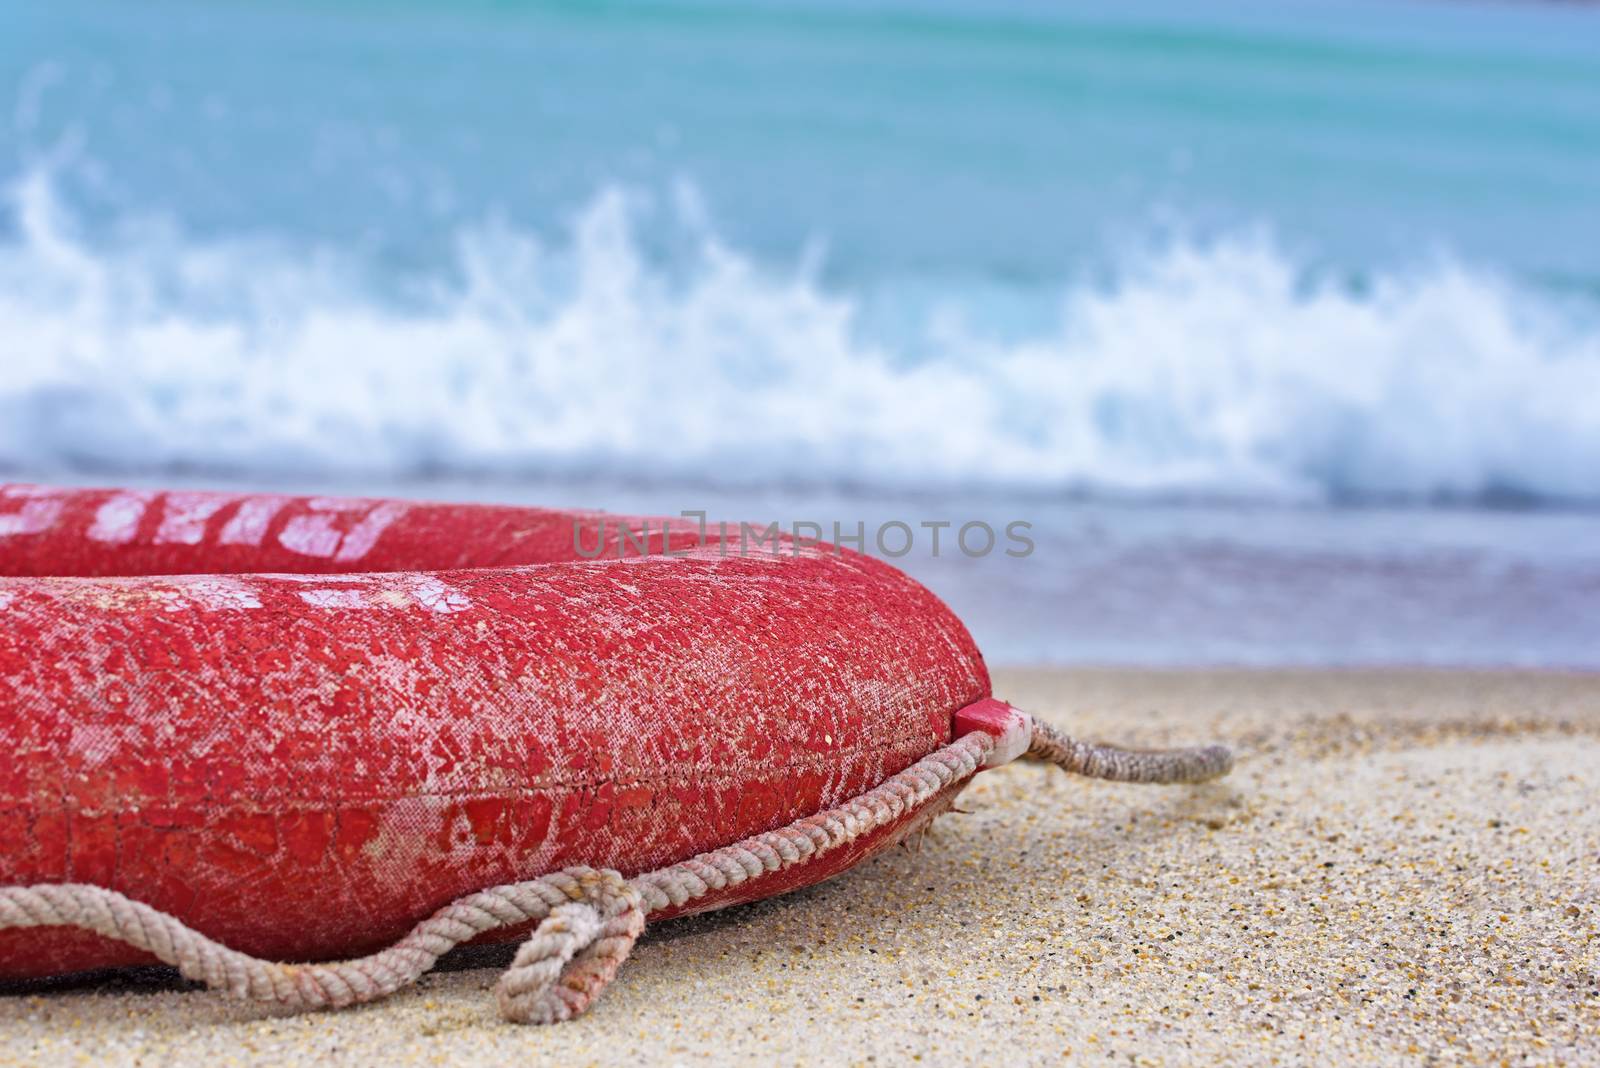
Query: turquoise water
[1046,260]
[1282,252]
[966,141]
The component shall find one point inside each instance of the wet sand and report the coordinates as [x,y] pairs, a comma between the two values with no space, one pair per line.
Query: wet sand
[1404,868]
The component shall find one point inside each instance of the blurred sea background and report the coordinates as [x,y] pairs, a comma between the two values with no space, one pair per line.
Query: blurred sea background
[1279,322]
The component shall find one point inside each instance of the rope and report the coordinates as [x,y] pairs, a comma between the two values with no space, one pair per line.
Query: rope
[1128,765]
[588,919]
[586,914]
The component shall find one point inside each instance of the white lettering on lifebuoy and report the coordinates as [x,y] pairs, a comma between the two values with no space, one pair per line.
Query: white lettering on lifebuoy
[383,592]
[184,519]
[319,534]
[360,540]
[249,524]
[437,596]
[38,512]
[117,521]
[217,593]
[346,598]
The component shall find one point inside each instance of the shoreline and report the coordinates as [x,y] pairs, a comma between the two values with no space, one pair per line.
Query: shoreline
[1403,867]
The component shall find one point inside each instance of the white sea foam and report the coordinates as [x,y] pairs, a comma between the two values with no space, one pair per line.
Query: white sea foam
[1202,369]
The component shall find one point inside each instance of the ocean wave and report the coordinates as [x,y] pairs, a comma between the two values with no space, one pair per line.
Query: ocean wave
[1222,368]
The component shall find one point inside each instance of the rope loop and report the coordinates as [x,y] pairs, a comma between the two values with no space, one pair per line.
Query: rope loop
[575,951]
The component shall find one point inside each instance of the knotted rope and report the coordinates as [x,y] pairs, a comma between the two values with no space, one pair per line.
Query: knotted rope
[588,919]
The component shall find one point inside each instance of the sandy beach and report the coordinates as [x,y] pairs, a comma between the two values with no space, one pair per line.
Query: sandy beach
[1404,868]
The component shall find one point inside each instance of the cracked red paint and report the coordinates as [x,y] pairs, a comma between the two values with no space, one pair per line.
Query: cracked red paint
[302,724]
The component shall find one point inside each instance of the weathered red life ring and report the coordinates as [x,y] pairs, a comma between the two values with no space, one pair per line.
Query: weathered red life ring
[301,725]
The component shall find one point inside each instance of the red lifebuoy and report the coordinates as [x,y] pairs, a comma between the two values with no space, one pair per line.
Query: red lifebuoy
[299,725]
[215,703]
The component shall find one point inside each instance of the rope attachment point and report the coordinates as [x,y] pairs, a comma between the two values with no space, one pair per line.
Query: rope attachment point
[1017,734]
